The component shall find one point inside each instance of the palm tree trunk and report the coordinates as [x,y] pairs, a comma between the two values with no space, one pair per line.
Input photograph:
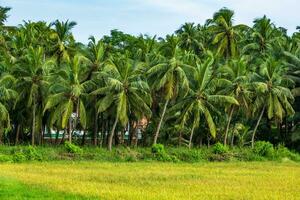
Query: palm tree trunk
[83,138]
[160,122]
[228,125]
[110,138]
[17,134]
[70,130]
[191,137]
[56,137]
[232,139]
[95,128]
[256,126]
[33,125]
[180,139]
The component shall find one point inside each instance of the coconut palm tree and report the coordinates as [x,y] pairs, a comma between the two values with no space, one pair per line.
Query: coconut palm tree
[189,38]
[63,40]
[31,72]
[3,14]
[225,34]
[67,92]
[125,90]
[293,62]
[272,95]
[202,99]
[97,55]
[7,95]
[234,80]
[168,76]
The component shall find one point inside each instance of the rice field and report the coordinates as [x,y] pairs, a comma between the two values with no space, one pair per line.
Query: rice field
[150,180]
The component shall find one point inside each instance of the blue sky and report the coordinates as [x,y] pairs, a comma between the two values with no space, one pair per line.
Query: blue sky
[160,17]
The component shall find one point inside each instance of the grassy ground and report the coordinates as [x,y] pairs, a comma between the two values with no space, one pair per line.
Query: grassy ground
[149,180]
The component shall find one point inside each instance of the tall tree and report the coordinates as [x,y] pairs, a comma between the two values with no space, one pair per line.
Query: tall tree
[67,93]
[272,95]
[168,76]
[31,72]
[225,34]
[126,90]
[201,99]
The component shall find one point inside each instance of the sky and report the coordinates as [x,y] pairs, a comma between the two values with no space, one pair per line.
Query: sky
[153,17]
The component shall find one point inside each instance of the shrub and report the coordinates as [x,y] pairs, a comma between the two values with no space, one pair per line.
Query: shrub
[263,148]
[189,155]
[219,148]
[158,150]
[31,153]
[19,157]
[5,158]
[72,148]
[284,153]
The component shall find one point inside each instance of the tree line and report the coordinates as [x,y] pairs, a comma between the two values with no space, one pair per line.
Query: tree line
[202,84]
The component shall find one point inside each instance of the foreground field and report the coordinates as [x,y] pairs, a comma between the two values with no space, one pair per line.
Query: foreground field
[153,180]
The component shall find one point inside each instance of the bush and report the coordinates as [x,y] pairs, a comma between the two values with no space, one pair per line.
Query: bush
[5,158]
[263,148]
[283,153]
[219,148]
[31,153]
[26,153]
[72,148]
[158,150]
[19,157]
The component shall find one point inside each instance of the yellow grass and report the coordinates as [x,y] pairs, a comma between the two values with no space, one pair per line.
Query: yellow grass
[264,180]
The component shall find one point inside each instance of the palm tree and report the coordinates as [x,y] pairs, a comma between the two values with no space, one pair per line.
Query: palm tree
[63,40]
[201,99]
[67,92]
[7,95]
[125,90]
[96,55]
[293,62]
[225,33]
[271,93]
[189,38]
[31,72]
[236,84]
[3,14]
[263,34]
[168,76]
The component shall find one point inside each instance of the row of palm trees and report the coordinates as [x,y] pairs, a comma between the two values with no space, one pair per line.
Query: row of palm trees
[202,81]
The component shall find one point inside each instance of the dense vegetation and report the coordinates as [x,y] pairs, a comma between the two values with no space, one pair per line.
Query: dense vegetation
[216,82]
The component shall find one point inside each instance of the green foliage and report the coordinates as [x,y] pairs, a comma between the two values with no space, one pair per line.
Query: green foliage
[159,153]
[263,148]
[284,153]
[219,148]
[158,148]
[72,148]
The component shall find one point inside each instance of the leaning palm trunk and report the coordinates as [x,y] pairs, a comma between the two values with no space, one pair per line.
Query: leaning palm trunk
[160,122]
[191,138]
[228,125]
[110,138]
[33,125]
[256,126]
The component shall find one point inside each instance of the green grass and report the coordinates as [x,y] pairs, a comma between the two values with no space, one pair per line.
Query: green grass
[150,180]
[13,189]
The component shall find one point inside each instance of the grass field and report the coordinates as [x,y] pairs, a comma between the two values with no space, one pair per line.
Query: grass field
[150,180]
